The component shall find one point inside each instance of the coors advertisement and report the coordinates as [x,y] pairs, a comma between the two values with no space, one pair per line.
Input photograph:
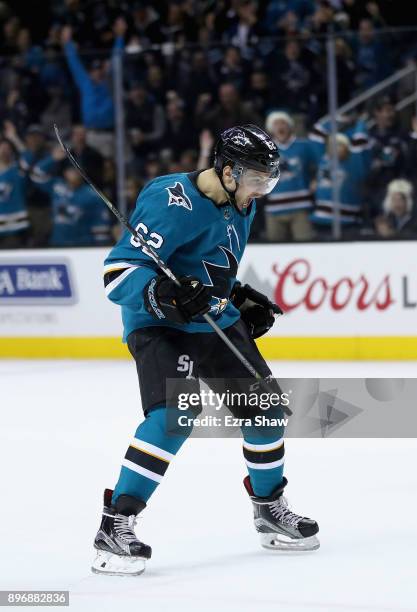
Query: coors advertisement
[338,291]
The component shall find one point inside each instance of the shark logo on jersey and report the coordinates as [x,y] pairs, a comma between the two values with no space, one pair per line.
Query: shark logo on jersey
[220,279]
[178,197]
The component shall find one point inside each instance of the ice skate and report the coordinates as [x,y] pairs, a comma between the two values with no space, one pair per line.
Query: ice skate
[119,552]
[279,528]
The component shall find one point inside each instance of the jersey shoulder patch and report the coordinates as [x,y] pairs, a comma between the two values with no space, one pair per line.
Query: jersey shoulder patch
[178,197]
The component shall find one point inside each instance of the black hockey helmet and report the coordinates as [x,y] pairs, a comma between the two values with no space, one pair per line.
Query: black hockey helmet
[245,148]
[248,146]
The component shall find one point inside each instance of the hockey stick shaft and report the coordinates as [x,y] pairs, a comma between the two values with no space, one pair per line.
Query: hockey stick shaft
[149,250]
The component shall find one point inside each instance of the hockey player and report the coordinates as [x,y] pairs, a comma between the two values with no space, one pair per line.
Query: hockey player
[199,224]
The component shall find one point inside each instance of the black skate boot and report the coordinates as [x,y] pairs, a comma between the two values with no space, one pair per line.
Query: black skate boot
[279,528]
[119,552]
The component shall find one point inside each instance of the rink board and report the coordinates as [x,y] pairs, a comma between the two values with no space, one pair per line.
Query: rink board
[341,301]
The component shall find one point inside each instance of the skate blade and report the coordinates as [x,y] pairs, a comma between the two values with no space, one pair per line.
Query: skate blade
[117,565]
[276,541]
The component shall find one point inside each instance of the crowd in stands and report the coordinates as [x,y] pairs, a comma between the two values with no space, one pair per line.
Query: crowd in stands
[192,68]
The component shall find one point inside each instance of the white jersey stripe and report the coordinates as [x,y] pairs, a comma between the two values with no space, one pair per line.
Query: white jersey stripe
[118,265]
[116,282]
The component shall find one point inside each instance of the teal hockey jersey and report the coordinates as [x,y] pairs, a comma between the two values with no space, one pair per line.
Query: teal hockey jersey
[193,236]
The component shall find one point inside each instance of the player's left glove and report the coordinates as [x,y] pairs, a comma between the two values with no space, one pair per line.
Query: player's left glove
[256,310]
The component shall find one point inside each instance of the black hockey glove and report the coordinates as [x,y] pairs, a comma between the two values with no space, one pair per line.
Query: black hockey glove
[256,310]
[164,300]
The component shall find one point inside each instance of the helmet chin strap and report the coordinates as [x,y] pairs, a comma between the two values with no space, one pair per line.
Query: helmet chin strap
[231,194]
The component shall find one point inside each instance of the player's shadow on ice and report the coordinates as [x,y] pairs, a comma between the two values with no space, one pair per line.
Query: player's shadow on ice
[232,560]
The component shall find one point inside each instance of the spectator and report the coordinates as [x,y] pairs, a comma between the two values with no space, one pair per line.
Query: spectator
[31,55]
[146,23]
[108,180]
[232,69]
[289,25]
[357,10]
[145,120]
[188,160]
[133,187]
[57,111]
[15,109]
[153,167]
[155,83]
[8,45]
[39,205]
[96,97]
[278,10]
[260,93]
[79,217]
[71,14]
[14,220]
[197,80]
[389,151]
[320,20]
[345,67]
[295,84]
[90,159]
[351,172]
[398,218]
[53,72]
[288,205]
[229,111]
[411,162]
[209,34]
[178,92]
[178,27]
[36,147]
[245,31]
[372,58]
[177,136]
[33,151]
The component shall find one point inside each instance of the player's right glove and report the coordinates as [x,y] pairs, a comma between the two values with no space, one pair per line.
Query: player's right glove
[165,300]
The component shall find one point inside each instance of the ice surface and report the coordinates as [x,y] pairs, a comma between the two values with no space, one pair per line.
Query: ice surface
[64,429]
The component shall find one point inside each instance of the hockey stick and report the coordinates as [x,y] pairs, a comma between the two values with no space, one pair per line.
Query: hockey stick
[149,251]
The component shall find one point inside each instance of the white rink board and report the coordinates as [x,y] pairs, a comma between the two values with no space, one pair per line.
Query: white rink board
[348,289]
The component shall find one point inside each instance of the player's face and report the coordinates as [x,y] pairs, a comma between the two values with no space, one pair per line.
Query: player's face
[254,184]
[251,184]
